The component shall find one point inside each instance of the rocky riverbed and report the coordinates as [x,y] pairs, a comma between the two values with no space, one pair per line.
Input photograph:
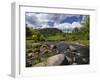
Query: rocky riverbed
[56,53]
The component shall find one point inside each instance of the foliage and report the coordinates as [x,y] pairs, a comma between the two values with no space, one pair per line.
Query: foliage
[28,32]
[80,35]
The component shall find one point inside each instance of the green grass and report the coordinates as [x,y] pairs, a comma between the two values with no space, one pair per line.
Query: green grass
[70,40]
[55,37]
[84,42]
[81,42]
[60,37]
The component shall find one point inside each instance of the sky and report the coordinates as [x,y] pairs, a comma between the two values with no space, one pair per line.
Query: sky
[63,22]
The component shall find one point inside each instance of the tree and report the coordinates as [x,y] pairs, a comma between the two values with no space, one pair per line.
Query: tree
[37,36]
[28,32]
[76,30]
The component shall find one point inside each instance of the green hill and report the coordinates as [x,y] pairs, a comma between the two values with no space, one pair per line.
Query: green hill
[49,31]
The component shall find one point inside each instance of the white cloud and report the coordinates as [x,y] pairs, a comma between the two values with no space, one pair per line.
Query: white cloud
[65,26]
[40,20]
[45,26]
[76,25]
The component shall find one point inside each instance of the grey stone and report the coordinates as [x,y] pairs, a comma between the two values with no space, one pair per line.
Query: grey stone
[72,48]
[52,46]
[78,54]
[29,54]
[56,60]
[69,59]
[36,45]
[83,59]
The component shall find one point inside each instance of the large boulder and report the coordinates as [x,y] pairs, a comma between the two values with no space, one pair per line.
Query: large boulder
[56,60]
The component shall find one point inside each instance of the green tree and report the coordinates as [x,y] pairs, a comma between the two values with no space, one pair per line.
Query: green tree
[37,36]
[28,32]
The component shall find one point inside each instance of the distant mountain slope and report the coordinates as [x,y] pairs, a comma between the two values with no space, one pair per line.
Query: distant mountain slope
[49,31]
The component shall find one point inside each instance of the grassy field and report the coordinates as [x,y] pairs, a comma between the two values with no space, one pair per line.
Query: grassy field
[55,38]
[80,42]
[61,38]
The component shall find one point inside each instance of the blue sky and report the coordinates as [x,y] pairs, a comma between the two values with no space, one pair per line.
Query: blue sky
[52,20]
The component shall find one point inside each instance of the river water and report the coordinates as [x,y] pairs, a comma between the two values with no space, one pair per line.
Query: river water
[82,51]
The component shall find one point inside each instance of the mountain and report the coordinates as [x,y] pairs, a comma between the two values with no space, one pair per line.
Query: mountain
[49,31]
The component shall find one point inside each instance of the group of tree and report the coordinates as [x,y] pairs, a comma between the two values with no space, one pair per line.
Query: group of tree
[35,35]
[80,33]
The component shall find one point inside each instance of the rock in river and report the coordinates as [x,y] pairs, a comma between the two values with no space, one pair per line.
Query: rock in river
[72,48]
[52,46]
[56,60]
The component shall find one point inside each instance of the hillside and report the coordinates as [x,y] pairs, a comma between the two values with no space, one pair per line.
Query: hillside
[49,31]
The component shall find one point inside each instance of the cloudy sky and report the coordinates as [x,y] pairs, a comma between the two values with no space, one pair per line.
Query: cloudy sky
[48,20]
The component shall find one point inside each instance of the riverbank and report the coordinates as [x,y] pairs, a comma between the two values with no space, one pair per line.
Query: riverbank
[41,51]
